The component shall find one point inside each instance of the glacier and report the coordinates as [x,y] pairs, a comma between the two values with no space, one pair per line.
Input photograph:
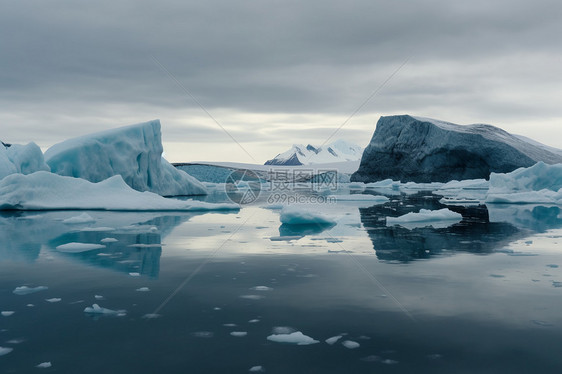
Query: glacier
[47,191]
[133,152]
[23,159]
[417,149]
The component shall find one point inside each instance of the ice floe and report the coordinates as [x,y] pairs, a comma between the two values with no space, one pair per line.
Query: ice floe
[96,309]
[25,290]
[296,337]
[304,215]
[441,218]
[78,247]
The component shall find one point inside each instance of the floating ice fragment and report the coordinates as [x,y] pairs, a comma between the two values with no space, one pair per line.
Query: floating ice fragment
[143,289]
[239,334]
[229,324]
[44,365]
[424,216]
[98,297]
[389,362]
[256,369]
[261,288]
[5,350]
[252,297]
[216,308]
[78,247]
[109,240]
[371,358]
[134,274]
[96,309]
[24,290]
[151,316]
[350,344]
[16,341]
[333,339]
[253,321]
[375,199]
[53,300]
[293,338]
[304,215]
[7,313]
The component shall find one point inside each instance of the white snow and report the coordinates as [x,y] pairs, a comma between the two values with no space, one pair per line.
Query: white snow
[96,309]
[425,216]
[338,151]
[82,218]
[304,215]
[239,334]
[5,350]
[23,159]
[7,313]
[78,247]
[350,344]
[333,339]
[134,152]
[539,184]
[25,290]
[44,365]
[47,191]
[296,337]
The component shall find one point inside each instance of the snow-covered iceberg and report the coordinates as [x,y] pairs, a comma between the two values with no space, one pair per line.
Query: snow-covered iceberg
[47,191]
[23,159]
[425,217]
[134,152]
[304,215]
[539,184]
[418,149]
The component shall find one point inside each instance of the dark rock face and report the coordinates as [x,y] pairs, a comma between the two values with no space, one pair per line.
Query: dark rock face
[5,144]
[292,161]
[423,150]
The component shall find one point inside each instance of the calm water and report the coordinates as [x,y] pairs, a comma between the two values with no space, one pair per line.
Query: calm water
[482,296]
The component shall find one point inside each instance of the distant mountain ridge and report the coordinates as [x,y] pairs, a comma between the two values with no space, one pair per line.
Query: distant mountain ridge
[338,151]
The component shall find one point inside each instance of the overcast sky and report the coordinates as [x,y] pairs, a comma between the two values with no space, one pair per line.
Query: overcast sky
[274,73]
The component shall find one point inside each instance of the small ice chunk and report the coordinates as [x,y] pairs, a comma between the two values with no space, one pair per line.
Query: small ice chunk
[388,361]
[5,350]
[425,217]
[44,365]
[30,305]
[376,199]
[96,309]
[82,218]
[333,339]
[53,300]
[109,240]
[143,289]
[239,334]
[98,297]
[256,369]
[350,344]
[252,297]
[78,247]
[134,274]
[261,288]
[294,338]
[217,308]
[283,330]
[229,324]
[152,315]
[304,215]
[24,290]
[7,313]
[253,321]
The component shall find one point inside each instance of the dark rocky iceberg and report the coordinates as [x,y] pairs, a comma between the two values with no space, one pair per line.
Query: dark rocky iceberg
[423,150]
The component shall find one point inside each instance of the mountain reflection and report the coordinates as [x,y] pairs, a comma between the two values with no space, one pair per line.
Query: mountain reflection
[482,229]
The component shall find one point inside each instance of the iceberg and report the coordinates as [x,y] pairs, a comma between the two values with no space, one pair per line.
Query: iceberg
[96,309]
[47,191]
[133,152]
[538,184]
[415,149]
[23,159]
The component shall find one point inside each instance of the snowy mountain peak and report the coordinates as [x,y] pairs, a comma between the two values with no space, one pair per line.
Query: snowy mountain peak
[338,151]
